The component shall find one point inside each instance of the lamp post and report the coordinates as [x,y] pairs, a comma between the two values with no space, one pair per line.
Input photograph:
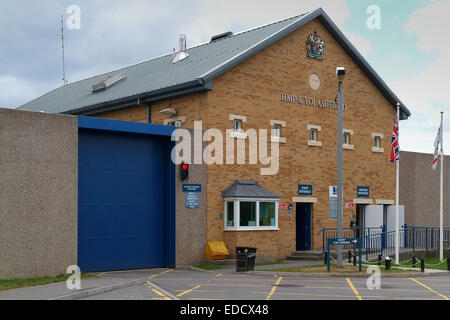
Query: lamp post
[340,71]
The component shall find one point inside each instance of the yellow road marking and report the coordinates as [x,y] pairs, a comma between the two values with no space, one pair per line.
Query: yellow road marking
[206,291]
[353,289]
[158,274]
[346,288]
[159,293]
[429,289]
[342,296]
[187,291]
[274,288]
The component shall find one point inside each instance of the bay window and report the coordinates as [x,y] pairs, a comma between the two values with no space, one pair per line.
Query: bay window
[251,214]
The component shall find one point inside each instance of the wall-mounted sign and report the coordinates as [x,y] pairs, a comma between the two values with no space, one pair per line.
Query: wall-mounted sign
[192,188]
[332,191]
[314,46]
[282,206]
[363,192]
[305,190]
[192,200]
[332,205]
[312,102]
[349,205]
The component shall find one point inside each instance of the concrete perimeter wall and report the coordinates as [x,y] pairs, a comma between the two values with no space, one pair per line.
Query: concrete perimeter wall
[190,223]
[420,187]
[38,193]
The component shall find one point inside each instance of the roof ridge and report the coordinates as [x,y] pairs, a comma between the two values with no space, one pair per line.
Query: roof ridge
[163,56]
[196,46]
[252,29]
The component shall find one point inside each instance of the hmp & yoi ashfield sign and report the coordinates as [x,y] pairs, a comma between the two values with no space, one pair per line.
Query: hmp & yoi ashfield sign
[312,102]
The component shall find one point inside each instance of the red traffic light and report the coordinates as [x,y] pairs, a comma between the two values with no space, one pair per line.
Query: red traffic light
[184,172]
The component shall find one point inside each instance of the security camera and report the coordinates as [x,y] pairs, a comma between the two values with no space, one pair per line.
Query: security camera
[340,71]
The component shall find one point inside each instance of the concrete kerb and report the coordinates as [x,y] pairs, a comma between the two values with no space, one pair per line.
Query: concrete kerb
[168,294]
[91,292]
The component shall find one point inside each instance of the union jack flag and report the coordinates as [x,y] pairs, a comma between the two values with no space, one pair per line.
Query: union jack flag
[395,154]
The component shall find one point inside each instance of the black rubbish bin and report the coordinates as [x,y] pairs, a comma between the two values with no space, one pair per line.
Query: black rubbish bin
[245,259]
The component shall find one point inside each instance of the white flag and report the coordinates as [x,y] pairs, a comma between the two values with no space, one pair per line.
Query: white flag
[437,141]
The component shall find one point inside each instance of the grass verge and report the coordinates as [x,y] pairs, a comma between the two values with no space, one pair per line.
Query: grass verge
[269,263]
[30,282]
[430,263]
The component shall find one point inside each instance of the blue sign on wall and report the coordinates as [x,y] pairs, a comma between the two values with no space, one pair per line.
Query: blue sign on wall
[192,200]
[305,190]
[363,192]
[192,188]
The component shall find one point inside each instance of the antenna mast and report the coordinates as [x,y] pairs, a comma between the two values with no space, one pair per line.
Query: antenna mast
[62,42]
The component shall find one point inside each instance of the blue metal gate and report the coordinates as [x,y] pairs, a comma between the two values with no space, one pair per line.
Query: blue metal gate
[125,197]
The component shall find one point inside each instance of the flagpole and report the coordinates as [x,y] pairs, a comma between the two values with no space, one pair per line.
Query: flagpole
[397,182]
[441,217]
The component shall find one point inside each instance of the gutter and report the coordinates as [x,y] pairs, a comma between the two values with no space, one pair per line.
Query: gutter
[197,85]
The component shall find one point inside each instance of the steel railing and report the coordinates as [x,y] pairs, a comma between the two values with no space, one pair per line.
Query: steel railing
[378,241]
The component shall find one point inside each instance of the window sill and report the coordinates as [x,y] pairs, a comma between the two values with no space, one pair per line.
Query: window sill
[379,150]
[278,139]
[253,229]
[348,147]
[313,143]
[238,135]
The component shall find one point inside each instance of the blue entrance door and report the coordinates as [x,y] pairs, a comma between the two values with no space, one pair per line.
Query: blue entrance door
[121,201]
[303,219]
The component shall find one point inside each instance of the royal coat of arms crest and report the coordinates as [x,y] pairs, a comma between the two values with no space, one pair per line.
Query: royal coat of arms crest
[314,46]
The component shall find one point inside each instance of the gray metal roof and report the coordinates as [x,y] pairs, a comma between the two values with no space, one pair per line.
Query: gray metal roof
[247,189]
[158,78]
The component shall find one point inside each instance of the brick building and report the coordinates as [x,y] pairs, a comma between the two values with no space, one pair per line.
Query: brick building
[280,77]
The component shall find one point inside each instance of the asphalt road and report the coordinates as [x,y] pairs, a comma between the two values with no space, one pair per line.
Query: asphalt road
[196,285]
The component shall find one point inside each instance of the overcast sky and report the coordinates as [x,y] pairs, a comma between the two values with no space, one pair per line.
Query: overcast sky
[410,51]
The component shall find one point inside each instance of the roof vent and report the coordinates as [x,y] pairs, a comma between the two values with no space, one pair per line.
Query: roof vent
[221,36]
[108,82]
[182,54]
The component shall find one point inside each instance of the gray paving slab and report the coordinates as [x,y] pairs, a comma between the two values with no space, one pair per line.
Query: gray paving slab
[101,282]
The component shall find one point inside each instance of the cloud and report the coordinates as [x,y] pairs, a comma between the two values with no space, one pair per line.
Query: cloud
[427,93]
[214,17]
[116,33]
[361,44]
[14,90]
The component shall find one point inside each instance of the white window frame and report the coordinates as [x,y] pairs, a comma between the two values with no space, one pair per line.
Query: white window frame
[375,148]
[280,124]
[316,142]
[237,126]
[276,130]
[238,134]
[180,120]
[236,216]
[348,146]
